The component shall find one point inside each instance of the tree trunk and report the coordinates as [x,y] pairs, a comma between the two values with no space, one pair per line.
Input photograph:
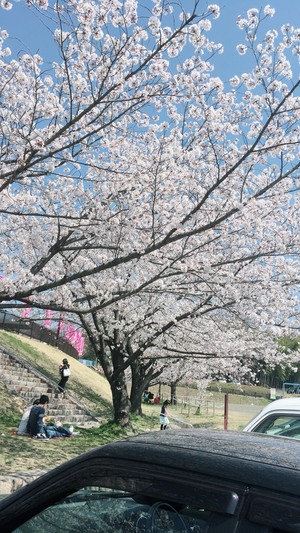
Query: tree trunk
[121,402]
[141,377]
[112,364]
[135,394]
[139,383]
[120,397]
[173,394]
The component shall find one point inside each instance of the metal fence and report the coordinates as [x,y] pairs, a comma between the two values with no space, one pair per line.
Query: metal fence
[23,326]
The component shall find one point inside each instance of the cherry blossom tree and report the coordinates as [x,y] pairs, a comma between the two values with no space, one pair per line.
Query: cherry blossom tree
[173,335]
[134,178]
[67,171]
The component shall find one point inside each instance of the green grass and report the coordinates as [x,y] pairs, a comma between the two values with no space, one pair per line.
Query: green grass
[16,343]
[231,388]
[22,454]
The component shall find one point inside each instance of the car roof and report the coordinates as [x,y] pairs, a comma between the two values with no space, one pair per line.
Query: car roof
[284,403]
[251,458]
[285,406]
[226,444]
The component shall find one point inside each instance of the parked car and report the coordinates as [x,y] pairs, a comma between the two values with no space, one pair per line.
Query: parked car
[293,390]
[281,418]
[167,481]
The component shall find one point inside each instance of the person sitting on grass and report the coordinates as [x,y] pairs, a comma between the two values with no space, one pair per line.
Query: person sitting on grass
[35,420]
[22,429]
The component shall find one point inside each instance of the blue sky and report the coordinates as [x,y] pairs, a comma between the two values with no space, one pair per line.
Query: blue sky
[31,36]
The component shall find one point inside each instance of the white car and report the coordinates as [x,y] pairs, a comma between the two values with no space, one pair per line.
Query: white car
[281,417]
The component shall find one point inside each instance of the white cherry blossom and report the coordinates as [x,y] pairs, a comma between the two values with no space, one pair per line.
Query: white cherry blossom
[149,198]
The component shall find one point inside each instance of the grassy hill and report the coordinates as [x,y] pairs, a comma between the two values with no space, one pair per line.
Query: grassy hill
[88,384]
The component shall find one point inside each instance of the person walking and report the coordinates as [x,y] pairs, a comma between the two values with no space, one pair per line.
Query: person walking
[163,417]
[35,420]
[64,370]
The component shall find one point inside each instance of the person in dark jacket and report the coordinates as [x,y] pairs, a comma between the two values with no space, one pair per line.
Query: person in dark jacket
[22,429]
[35,426]
[64,371]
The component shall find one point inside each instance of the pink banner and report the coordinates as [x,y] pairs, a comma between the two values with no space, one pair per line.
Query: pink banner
[48,319]
[26,312]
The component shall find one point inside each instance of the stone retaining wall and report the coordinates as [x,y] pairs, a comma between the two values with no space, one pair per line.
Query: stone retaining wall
[12,482]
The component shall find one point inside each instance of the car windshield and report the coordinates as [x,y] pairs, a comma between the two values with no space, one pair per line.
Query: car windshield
[280,425]
[95,509]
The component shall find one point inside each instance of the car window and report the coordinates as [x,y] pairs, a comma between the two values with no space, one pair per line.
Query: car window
[280,424]
[280,512]
[105,510]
